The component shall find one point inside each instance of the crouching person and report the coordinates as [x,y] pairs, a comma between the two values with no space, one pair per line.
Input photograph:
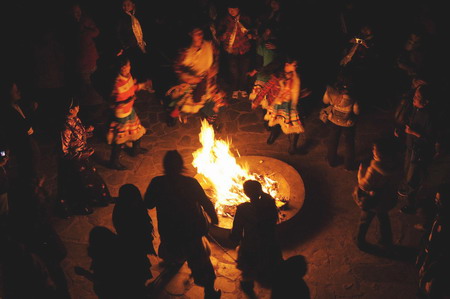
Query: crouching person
[79,184]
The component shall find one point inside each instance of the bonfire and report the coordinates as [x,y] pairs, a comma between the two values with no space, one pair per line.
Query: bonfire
[223,176]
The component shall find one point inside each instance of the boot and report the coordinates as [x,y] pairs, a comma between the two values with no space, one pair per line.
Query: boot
[274,133]
[293,139]
[137,149]
[115,155]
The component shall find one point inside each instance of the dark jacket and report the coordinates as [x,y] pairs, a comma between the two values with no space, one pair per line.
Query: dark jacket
[179,201]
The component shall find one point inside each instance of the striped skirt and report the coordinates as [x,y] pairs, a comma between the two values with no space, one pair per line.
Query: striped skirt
[125,130]
[284,116]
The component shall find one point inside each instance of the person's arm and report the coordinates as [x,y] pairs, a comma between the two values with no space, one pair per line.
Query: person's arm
[150,195]
[214,69]
[294,101]
[356,108]
[265,91]
[206,203]
[66,136]
[237,231]
[184,73]
[326,97]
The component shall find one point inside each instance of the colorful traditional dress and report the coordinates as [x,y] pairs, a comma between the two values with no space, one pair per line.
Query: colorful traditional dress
[279,97]
[78,180]
[193,65]
[267,56]
[125,126]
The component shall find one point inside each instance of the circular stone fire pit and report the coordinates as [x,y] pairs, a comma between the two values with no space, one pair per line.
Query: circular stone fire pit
[290,187]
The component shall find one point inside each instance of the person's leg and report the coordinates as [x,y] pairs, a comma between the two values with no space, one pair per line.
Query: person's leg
[244,65]
[114,162]
[332,144]
[233,67]
[349,141]
[403,188]
[293,139]
[364,223]
[385,228]
[198,259]
[275,131]
[413,179]
[137,149]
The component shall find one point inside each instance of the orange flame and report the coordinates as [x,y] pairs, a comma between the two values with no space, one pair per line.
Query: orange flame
[225,176]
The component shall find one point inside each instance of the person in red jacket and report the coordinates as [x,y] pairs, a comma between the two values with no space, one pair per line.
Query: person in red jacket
[125,127]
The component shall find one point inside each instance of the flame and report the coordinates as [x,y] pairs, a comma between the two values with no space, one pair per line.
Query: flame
[216,163]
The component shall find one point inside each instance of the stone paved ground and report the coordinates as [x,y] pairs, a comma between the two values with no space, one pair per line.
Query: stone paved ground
[322,231]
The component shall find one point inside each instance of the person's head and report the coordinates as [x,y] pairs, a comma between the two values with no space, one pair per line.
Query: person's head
[233,8]
[343,83]
[197,37]
[73,107]
[173,163]
[124,65]
[266,31]
[128,6]
[75,11]
[422,96]
[414,41]
[252,189]
[129,193]
[275,5]
[290,65]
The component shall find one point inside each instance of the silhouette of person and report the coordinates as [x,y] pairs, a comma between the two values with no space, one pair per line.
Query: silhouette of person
[107,275]
[179,202]
[254,228]
[135,231]
[289,279]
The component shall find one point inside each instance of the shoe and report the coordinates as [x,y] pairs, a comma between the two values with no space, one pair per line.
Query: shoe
[100,203]
[292,150]
[408,209]
[362,245]
[117,166]
[134,152]
[331,164]
[82,211]
[272,138]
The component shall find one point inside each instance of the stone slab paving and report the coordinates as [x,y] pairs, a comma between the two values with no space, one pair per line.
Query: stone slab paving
[322,231]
